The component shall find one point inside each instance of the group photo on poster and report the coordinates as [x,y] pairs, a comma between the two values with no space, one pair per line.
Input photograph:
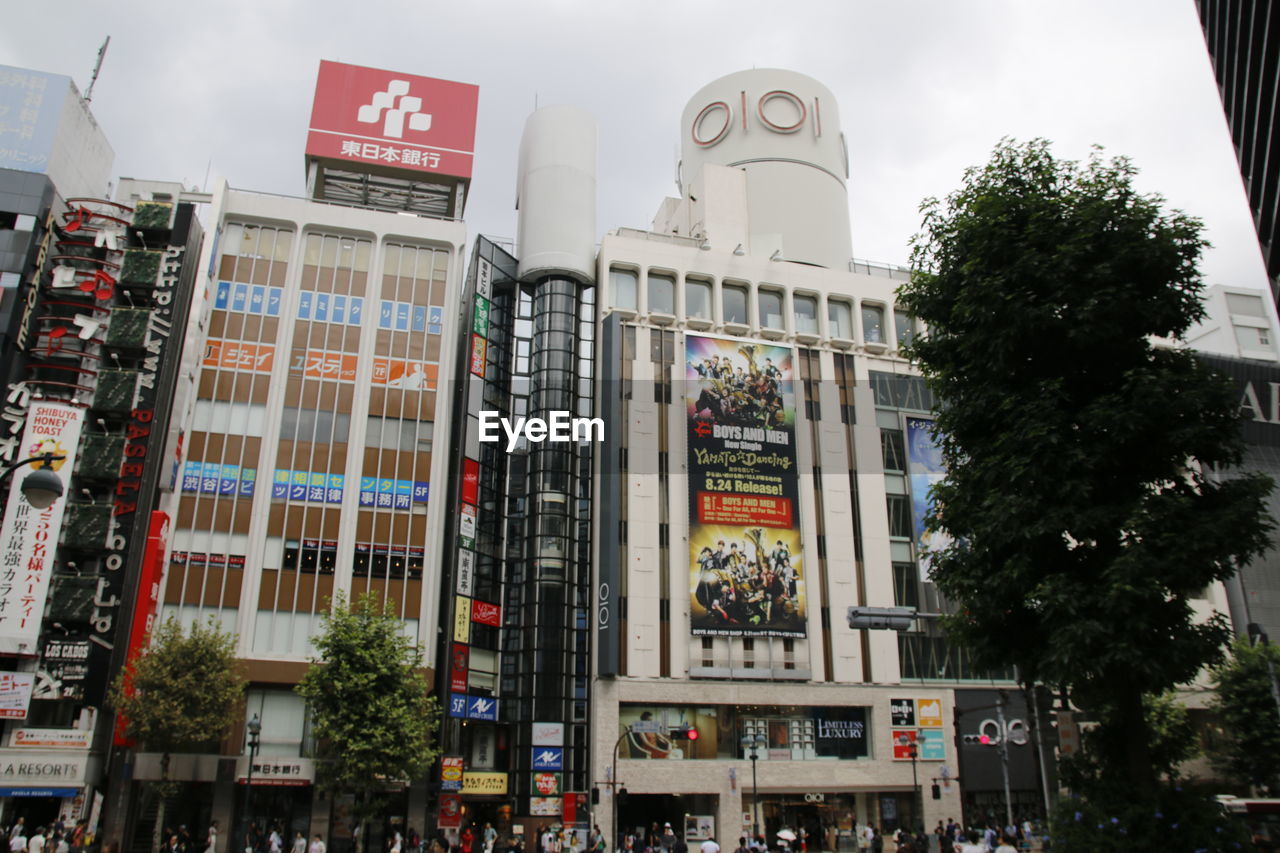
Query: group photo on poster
[746,567]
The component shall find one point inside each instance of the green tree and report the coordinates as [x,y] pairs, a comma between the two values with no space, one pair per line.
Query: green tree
[180,694]
[1081,523]
[1247,710]
[370,712]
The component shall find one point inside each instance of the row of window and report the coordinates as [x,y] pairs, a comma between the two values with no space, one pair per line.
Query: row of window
[661,296]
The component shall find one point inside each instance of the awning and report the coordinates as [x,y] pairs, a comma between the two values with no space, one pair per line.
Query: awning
[39,792]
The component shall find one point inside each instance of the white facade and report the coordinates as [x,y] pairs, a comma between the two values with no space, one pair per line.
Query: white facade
[1240,322]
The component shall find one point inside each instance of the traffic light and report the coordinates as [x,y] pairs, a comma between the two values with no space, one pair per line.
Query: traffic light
[937,791]
[595,796]
[981,740]
[622,798]
[686,733]
[882,618]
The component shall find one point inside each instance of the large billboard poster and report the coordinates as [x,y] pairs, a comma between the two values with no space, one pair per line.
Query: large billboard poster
[746,566]
[924,467]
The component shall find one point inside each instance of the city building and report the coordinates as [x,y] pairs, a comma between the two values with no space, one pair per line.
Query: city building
[310,399]
[1243,37]
[1239,322]
[93,289]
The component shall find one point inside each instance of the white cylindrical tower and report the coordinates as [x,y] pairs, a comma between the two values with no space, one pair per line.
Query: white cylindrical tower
[783,129]
[556,194]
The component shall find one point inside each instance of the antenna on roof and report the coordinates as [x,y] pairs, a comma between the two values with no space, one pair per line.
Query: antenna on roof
[97,66]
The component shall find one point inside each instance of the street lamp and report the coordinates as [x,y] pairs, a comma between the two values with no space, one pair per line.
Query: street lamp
[751,744]
[42,486]
[255,729]
[913,750]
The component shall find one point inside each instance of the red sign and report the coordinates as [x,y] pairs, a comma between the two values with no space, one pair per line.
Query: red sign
[470,481]
[548,784]
[450,816]
[902,742]
[479,346]
[385,118]
[458,673]
[144,616]
[486,613]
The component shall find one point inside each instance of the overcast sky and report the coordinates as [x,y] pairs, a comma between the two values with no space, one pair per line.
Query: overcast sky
[925,88]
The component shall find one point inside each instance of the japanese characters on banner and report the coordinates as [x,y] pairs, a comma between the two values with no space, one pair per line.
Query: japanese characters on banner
[29,536]
[15,694]
[393,119]
[746,566]
[924,467]
[918,723]
[451,773]
[410,375]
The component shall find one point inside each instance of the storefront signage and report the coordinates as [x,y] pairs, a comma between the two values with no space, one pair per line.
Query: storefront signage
[902,712]
[547,734]
[461,619]
[28,768]
[466,570]
[484,279]
[467,527]
[451,773]
[470,481]
[51,738]
[547,784]
[29,535]
[745,560]
[276,771]
[450,815]
[459,662]
[486,613]
[544,806]
[840,732]
[64,666]
[15,694]
[548,758]
[482,708]
[929,712]
[484,783]
[480,322]
[903,740]
[932,745]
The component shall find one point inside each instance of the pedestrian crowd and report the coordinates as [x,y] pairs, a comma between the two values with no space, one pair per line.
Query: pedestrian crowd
[57,838]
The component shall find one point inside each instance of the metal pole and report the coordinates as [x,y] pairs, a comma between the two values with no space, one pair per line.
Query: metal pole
[1044,773]
[755,799]
[613,792]
[1004,760]
[917,805]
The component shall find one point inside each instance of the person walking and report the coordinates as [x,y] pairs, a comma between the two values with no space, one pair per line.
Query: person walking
[36,844]
[317,845]
[709,846]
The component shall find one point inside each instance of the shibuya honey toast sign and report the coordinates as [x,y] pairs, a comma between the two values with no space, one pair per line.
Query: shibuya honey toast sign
[30,536]
[377,117]
[746,568]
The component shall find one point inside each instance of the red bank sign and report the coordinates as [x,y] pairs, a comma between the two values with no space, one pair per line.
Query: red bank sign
[371,116]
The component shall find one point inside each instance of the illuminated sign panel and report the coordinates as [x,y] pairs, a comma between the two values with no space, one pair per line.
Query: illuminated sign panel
[386,118]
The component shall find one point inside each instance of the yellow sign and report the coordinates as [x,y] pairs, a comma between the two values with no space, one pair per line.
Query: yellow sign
[484,783]
[929,712]
[462,620]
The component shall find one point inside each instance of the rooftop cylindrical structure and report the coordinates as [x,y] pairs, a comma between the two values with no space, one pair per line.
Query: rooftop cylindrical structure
[556,194]
[783,129]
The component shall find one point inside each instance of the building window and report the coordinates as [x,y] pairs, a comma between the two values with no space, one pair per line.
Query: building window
[623,284]
[905,328]
[899,516]
[662,293]
[872,324]
[906,589]
[697,298]
[893,450]
[733,299]
[806,313]
[840,319]
[770,305]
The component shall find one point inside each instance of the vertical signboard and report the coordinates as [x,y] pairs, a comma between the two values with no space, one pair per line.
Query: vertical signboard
[924,465]
[744,527]
[29,536]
